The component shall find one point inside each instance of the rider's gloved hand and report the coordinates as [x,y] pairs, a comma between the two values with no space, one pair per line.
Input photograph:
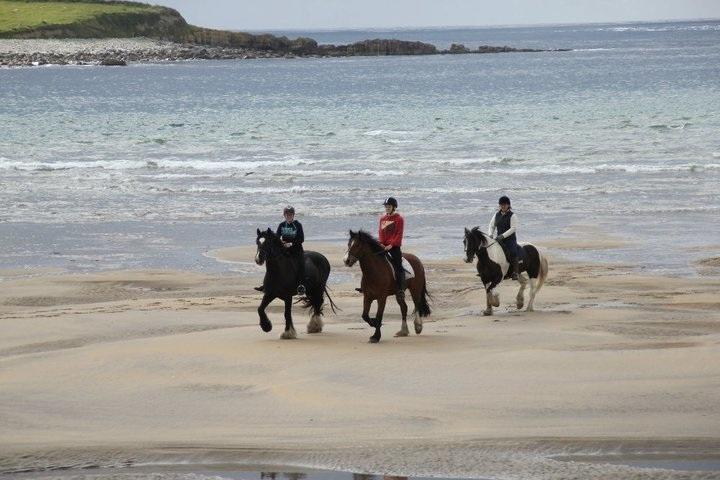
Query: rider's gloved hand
[499,238]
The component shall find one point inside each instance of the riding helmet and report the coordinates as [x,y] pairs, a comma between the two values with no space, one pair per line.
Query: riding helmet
[289,210]
[391,201]
[504,200]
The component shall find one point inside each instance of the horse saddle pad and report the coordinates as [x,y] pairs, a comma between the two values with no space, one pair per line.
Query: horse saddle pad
[409,272]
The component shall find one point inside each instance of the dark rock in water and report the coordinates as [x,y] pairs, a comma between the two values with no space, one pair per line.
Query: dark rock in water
[458,48]
[113,62]
[379,47]
[303,46]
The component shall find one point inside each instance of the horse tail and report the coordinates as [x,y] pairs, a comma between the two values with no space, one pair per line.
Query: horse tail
[543,271]
[423,307]
[334,307]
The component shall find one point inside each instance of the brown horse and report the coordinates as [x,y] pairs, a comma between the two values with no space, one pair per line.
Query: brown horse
[378,282]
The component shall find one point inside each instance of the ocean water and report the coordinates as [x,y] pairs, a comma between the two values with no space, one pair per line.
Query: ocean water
[152,165]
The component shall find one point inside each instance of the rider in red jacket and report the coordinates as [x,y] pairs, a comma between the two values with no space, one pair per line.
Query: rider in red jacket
[390,235]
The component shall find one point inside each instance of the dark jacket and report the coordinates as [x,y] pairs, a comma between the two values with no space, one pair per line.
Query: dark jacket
[293,233]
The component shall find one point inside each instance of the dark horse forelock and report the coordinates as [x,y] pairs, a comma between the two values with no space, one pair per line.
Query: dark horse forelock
[272,241]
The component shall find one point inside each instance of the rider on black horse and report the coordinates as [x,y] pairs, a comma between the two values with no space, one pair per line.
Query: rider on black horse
[506,223]
[291,233]
[390,236]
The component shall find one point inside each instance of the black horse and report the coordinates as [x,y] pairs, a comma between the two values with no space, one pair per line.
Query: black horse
[281,282]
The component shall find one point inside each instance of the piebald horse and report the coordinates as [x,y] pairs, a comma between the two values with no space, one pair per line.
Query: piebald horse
[378,283]
[281,282]
[493,268]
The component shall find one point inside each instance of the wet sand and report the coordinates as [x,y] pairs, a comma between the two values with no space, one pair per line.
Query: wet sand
[135,367]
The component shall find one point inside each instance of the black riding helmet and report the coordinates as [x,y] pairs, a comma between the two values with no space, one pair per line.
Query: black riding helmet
[504,200]
[391,201]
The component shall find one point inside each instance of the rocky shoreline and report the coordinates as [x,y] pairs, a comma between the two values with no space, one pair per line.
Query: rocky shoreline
[122,51]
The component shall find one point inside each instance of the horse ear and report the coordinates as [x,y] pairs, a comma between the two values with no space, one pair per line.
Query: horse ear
[467,232]
[352,234]
[268,230]
[258,232]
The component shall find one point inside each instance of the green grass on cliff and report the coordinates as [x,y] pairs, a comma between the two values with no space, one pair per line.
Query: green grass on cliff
[19,16]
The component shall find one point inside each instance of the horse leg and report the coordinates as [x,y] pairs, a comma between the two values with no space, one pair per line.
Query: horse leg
[403,311]
[289,333]
[316,324]
[520,299]
[378,320]
[265,323]
[489,299]
[367,302]
[533,291]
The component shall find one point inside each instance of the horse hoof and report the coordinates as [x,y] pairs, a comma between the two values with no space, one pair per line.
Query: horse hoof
[402,333]
[374,339]
[520,305]
[289,335]
[530,309]
[418,328]
[487,313]
[265,325]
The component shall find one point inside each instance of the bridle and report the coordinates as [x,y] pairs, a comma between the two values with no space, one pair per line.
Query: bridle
[480,245]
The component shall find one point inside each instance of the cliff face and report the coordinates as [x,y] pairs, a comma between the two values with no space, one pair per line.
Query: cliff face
[156,22]
[120,19]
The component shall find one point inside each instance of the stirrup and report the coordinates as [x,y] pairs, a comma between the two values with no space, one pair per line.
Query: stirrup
[301,289]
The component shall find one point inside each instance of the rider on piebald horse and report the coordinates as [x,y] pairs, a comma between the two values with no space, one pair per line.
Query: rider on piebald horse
[291,233]
[390,234]
[505,222]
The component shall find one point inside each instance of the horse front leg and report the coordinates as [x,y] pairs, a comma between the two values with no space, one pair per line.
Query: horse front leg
[378,320]
[492,299]
[367,302]
[404,332]
[265,323]
[289,333]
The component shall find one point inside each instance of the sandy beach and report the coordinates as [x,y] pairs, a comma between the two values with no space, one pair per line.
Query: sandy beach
[165,367]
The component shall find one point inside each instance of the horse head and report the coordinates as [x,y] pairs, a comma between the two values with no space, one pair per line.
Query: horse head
[473,242]
[267,244]
[360,244]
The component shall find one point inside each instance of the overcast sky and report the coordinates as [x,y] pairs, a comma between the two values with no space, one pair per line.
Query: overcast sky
[324,14]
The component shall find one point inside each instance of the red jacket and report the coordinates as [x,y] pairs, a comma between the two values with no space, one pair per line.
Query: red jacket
[391,230]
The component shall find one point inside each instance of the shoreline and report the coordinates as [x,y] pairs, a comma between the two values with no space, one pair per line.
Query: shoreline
[123,51]
[548,458]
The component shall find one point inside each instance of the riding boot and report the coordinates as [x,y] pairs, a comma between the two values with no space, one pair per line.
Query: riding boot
[401,286]
[261,288]
[516,268]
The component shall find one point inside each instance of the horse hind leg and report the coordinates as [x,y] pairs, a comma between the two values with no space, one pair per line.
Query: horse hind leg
[404,332]
[417,319]
[315,325]
[533,292]
[520,298]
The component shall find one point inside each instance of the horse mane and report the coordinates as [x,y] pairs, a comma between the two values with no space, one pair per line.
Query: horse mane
[480,236]
[367,238]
